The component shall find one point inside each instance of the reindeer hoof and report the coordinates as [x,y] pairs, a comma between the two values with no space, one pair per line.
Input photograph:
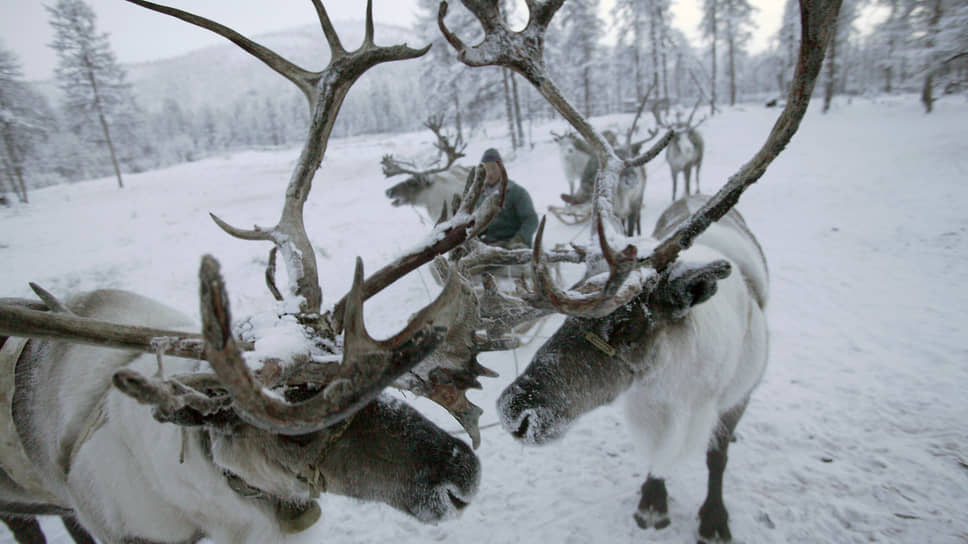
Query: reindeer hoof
[714,524]
[650,519]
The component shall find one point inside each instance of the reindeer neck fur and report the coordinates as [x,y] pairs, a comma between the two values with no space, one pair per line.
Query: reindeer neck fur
[684,150]
[696,368]
[573,160]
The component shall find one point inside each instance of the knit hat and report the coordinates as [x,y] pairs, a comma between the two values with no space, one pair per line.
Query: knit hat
[491,155]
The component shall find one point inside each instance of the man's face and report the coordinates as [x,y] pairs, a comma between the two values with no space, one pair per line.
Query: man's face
[494,173]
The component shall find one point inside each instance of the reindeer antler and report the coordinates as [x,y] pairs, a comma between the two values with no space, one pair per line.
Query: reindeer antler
[630,275]
[325,91]
[453,151]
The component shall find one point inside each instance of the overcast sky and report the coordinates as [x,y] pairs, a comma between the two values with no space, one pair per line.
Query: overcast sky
[138,34]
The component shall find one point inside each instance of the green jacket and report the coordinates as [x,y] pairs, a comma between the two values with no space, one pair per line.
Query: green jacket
[517,218]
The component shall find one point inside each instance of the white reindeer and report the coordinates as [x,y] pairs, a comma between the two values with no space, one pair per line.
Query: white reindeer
[98,453]
[430,191]
[686,359]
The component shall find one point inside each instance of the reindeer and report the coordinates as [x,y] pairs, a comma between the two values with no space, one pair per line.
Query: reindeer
[681,332]
[574,157]
[146,432]
[434,187]
[430,191]
[631,188]
[685,151]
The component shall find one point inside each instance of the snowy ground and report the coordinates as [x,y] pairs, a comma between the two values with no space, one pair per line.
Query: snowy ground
[858,432]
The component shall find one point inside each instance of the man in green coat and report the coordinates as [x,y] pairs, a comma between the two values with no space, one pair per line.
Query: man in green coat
[514,225]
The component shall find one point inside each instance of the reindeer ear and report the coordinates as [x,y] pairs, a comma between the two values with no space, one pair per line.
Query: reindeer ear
[687,284]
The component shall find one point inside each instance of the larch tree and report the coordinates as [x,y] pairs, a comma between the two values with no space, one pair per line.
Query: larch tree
[582,32]
[629,18]
[710,28]
[788,43]
[943,43]
[93,83]
[737,20]
[834,61]
[23,123]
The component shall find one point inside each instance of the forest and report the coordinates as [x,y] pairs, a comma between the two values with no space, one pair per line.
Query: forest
[105,118]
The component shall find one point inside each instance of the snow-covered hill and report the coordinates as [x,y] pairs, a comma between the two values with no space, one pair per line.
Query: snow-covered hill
[858,433]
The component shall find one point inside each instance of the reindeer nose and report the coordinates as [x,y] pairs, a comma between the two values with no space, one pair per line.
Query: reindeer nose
[522,430]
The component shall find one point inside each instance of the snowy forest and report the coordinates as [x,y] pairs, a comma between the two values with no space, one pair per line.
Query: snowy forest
[98,117]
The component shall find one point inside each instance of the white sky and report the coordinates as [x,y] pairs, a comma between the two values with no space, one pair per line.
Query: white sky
[138,34]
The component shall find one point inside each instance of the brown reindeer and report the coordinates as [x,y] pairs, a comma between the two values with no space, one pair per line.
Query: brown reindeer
[120,416]
[681,332]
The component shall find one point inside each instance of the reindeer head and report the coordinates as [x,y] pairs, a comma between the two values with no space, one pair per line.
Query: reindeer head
[406,192]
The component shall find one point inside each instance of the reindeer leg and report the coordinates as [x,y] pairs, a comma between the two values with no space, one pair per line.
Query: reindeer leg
[78,533]
[25,530]
[654,505]
[687,172]
[713,518]
[674,185]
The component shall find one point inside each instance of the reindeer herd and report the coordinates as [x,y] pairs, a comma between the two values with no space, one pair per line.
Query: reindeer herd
[122,418]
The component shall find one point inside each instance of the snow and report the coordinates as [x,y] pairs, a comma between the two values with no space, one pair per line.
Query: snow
[857,434]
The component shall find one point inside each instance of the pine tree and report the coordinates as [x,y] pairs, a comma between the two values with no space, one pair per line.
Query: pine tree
[92,81]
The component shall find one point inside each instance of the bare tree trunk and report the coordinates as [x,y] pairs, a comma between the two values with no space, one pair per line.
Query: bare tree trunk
[637,59]
[828,88]
[663,39]
[509,109]
[653,38]
[517,108]
[927,90]
[731,51]
[104,125]
[457,120]
[14,170]
[715,38]
[114,157]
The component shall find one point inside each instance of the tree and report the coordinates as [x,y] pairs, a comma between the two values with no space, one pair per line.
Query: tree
[582,29]
[835,51]
[87,73]
[22,123]
[737,20]
[629,17]
[943,41]
[788,41]
[710,30]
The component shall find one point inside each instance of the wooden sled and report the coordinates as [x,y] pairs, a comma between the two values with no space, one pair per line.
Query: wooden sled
[573,214]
